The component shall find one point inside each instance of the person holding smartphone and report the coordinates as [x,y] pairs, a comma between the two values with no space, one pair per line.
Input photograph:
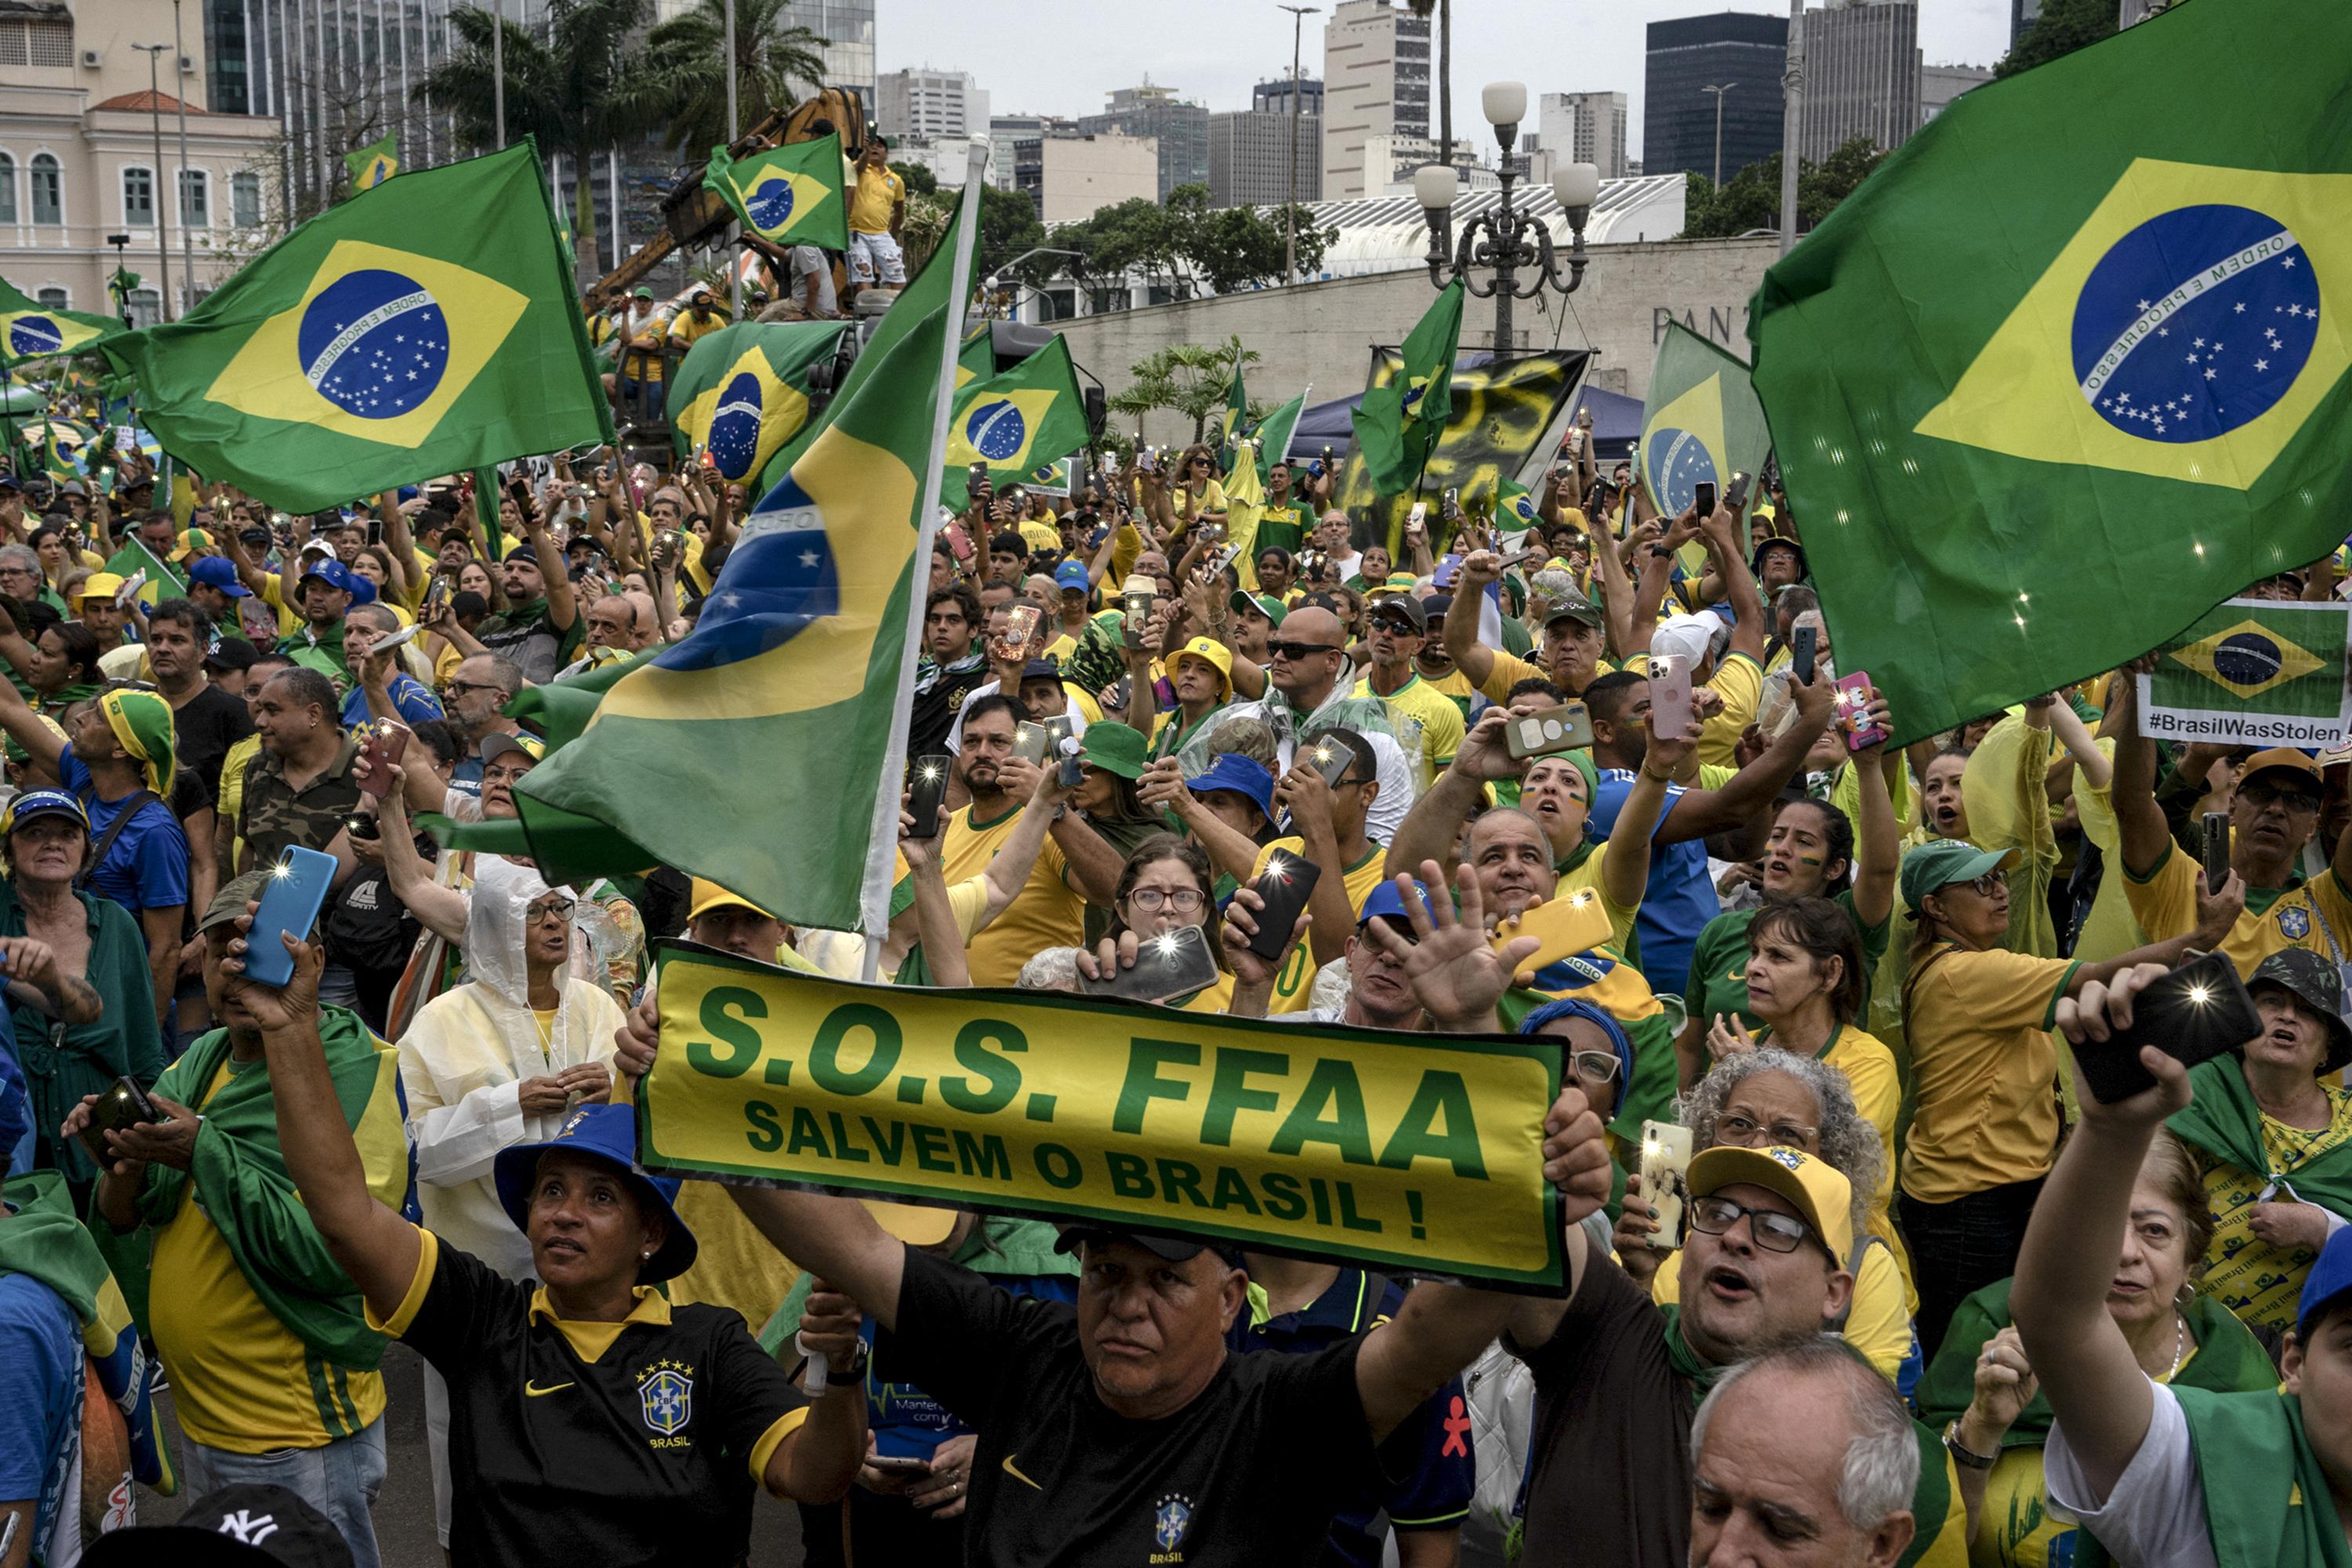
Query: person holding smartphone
[1166,883]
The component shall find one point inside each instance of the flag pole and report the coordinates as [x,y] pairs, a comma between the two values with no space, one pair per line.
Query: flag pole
[882,841]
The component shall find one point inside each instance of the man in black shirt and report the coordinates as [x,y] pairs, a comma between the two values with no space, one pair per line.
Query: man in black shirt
[205,720]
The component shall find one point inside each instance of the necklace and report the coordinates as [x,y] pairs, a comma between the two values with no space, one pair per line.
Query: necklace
[2179,1345]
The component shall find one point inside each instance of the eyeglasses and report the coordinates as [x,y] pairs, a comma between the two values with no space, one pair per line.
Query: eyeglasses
[1151,901]
[1773,1231]
[459,687]
[1595,1066]
[18,571]
[1299,650]
[1750,1133]
[2262,795]
[1985,885]
[557,912]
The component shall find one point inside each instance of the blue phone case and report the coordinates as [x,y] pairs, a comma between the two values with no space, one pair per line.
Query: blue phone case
[291,901]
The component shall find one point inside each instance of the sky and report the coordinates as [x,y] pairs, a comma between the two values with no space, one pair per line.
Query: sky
[1066,56]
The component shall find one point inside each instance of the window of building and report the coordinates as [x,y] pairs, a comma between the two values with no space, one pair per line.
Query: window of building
[139,197]
[7,188]
[146,307]
[53,298]
[244,200]
[48,190]
[196,198]
[35,43]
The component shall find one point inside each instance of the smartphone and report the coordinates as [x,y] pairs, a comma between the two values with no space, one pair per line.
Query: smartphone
[978,477]
[1670,694]
[1450,508]
[1852,694]
[435,596]
[1325,462]
[1801,655]
[1020,628]
[1070,772]
[130,587]
[1665,1180]
[1565,927]
[393,639]
[927,791]
[1135,599]
[1418,517]
[900,1462]
[291,901]
[386,744]
[1029,742]
[1703,499]
[1147,460]
[1333,760]
[1735,494]
[1286,885]
[2217,849]
[124,1106]
[1172,965]
[2197,1012]
[1449,569]
[1561,728]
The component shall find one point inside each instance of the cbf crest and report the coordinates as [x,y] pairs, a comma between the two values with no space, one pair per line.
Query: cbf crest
[1171,1518]
[665,1396]
[2293,922]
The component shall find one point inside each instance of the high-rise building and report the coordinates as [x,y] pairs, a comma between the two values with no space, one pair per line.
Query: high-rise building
[1862,74]
[1074,177]
[1249,158]
[1274,96]
[1375,74]
[848,29]
[1006,132]
[2021,13]
[1737,49]
[927,105]
[1584,128]
[1179,128]
[1939,85]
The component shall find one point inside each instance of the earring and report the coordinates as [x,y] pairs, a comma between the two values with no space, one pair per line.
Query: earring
[644,1256]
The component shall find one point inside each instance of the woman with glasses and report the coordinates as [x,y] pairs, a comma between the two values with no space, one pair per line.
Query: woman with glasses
[1765,1099]
[1166,884]
[497,1062]
[1984,1069]
[21,579]
[1195,494]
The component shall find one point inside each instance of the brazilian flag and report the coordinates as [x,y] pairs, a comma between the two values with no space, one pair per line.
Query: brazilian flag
[417,330]
[1515,509]
[742,391]
[2025,440]
[1400,421]
[374,165]
[29,330]
[792,196]
[1273,437]
[2261,672]
[1015,422]
[1701,423]
[976,361]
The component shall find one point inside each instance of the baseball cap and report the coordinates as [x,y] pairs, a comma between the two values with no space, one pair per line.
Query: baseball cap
[193,542]
[499,742]
[218,572]
[1942,862]
[2285,759]
[642,292]
[1072,575]
[1243,776]
[1174,1249]
[1211,652]
[245,1525]
[1691,637]
[608,1134]
[101,585]
[1400,604]
[32,803]
[1265,605]
[2301,974]
[1572,607]
[706,895]
[230,902]
[2329,1281]
[335,574]
[1821,1191]
[73,488]
[1386,901]
[230,653]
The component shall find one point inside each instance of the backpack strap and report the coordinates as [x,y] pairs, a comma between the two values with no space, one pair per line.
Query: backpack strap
[130,808]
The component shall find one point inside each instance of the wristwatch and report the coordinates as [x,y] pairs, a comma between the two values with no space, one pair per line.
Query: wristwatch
[854,1372]
[1961,1455]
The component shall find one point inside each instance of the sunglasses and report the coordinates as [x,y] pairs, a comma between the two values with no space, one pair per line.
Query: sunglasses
[1299,650]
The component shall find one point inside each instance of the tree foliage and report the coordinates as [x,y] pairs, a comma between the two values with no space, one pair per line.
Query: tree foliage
[1751,198]
[1186,246]
[920,181]
[1187,379]
[2063,27]
[680,80]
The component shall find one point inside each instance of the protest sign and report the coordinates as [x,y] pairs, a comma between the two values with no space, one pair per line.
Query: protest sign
[1395,1150]
[2256,672]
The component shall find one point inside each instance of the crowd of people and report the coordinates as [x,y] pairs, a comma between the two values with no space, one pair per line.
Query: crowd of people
[1916,1296]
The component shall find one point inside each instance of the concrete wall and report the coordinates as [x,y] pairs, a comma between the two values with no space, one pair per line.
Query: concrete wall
[1084,175]
[1323,333]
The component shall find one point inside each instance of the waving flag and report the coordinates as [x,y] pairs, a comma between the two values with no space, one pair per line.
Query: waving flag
[373,166]
[741,391]
[1400,421]
[1015,422]
[792,196]
[1273,437]
[1701,423]
[2253,672]
[2123,401]
[345,362]
[29,330]
[1514,510]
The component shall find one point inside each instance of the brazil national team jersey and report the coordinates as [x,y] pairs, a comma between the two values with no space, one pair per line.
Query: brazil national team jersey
[590,1443]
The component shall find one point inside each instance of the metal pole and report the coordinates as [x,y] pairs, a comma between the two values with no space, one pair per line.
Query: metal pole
[499,66]
[1507,245]
[734,129]
[613,188]
[162,217]
[1793,90]
[404,68]
[316,37]
[1298,15]
[186,180]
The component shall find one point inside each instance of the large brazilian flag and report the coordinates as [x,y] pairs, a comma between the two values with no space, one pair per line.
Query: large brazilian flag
[742,391]
[792,196]
[2068,370]
[1016,423]
[1701,423]
[29,330]
[427,326]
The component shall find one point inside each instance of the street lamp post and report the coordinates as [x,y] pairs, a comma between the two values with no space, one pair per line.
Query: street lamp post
[122,243]
[180,181]
[1298,15]
[155,188]
[1507,239]
[1720,94]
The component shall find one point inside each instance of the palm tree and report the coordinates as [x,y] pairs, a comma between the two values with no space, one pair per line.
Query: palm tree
[682,78]
[569,89]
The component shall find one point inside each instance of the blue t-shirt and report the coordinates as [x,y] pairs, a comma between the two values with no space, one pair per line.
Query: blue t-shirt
[1680,899]
[17,1141]
[410,699]
[146,867]
[40,1389]
[908,1424]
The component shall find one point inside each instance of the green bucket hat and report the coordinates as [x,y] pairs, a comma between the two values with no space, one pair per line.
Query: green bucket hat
[1942,862]
[1113,747]
[1265,605]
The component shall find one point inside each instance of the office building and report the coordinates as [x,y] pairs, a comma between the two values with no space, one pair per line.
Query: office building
[1074,177]
[1249,158]
[1179,129]
[2021,14]
[1390,163]
[1584,128]
[1738,49]
[946,157]
[927,105]
[1939,85]
[1007,132]
[1376,82]
[1274,97]
[1862,74]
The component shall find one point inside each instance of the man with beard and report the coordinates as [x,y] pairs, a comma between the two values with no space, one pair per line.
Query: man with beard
[1574,637]
[1428,725]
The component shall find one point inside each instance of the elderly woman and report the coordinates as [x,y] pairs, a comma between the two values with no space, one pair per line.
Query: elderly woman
[1981,1393]
[1773,1099]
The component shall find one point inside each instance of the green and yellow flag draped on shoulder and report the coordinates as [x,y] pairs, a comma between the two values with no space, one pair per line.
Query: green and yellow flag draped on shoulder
[742,391]
[1701,423]
[1400,422]
[2026,439]
[792,196]
[29,330]
[1016,422]
[374,165]
[422,328]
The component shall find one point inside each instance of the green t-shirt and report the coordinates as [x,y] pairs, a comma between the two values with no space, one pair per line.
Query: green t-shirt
[1284,527]
[1718,965]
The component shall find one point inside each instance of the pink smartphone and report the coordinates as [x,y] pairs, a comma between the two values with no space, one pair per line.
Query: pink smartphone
[1670,694]
[1852,695]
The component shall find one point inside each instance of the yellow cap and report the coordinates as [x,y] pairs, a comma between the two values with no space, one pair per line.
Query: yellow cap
[1210,651]
[1821,1191]
[914,1224]
[101,585]
[707,895]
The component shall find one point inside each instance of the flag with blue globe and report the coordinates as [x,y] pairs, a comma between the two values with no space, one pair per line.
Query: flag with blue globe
[29,330]
[741,391]
[2259,673]
[794,195]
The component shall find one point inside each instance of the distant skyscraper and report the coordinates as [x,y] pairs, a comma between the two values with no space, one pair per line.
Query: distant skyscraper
[1734,48]
[1584,128]
[1248,158]
[1939,85]
[1181,130]
[1274,96]
[1862,74]
[2020,12]
[930,104]
[847,27]
[1375,83]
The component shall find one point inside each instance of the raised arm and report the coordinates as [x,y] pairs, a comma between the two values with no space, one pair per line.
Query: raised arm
[1480,570]
[1721,529]
[1878,837]
[16,716]
[1626,858]
[935,921]
[1704,811]
[1429,831]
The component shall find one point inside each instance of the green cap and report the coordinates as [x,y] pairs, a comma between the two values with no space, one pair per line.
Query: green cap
[1941,862]
[1575,606]
[1113,747]
[230,902]
[1265,605]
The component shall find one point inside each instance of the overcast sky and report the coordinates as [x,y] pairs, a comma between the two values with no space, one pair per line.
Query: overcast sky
[1064,57]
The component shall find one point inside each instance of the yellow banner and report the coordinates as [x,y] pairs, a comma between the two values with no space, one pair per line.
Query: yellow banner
[1416,1153]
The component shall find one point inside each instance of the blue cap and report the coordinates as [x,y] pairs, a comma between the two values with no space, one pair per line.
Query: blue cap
[1243,776]
[1571,1007]
[607,1133]
[218,572]
[1386,901]
[32,803]
[335,574]
[1072,575]
[2330,1279]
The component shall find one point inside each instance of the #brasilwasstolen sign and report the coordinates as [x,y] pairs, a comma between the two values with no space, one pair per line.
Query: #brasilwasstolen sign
[2258,672]
[1419,1152]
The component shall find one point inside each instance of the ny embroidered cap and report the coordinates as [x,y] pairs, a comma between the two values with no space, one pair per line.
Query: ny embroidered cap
[240,1526]
[608,1135]
[1818,1190]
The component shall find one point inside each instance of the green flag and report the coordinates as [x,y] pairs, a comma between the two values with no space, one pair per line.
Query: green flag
[2253,672]
[1237,415]
[742,391]
[1273,437]
[1515,509]
[976,361]
[487,509]
[374,165]
[792,196]
[344,362]
[1014,423]
[1399,423]
[29,330]
[2026,440]
[1701,423]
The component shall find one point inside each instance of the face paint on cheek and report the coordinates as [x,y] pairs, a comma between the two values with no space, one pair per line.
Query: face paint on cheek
[1808,860]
